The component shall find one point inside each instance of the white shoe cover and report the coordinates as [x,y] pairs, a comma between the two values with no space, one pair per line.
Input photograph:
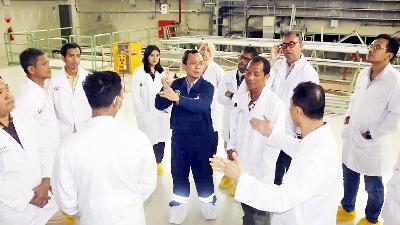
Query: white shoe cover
[209,210]
[177,214]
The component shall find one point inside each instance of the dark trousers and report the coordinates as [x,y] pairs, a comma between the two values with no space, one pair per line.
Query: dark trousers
[254,216]
[282,166]
[215,141]
[192,152]
[159,151]
[374,188]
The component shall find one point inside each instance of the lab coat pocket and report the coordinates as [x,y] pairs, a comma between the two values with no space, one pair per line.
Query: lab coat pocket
[12,159]
[370,148]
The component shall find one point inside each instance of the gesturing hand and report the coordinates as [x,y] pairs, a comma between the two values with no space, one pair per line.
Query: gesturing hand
[263,126]
[230,168]
[169,94]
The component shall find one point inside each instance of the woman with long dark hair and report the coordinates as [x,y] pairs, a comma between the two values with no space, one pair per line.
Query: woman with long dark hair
[146,85]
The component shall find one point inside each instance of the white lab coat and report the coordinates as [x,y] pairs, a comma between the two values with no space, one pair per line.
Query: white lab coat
[258,157]
[391,206]
[35,102]
[72,108]
[283,86]
[153,122]
[214,74]
[104,173]
[376,109]
[228,83]
[310,189]
[21,170]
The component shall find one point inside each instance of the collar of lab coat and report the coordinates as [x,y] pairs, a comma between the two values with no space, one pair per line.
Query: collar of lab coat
[316,134]
[101,120]
[6,138]
[299,61]
[242,100]
[381,74]
[33,86]
[209,66]
[81,76]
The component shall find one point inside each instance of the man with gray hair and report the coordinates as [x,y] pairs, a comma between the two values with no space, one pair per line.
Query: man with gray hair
[286,74]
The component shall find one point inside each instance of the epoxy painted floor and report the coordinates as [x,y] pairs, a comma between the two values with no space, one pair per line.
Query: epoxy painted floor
[156,207]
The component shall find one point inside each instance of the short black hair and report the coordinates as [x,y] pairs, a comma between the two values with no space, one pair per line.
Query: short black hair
[293,33]
[266,64]
[250,49]
[28,57]
[310,97]
[65,47]
[146,64]
[101,88]
[392,46]
[186,55]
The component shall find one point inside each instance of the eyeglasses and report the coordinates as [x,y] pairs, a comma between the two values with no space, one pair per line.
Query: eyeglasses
[289,44]
[373,47]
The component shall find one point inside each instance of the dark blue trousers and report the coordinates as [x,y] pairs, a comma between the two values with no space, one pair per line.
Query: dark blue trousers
[374,188]
[192,152]
[159,151]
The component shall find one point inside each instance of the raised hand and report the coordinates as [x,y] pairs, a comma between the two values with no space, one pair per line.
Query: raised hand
[264,126]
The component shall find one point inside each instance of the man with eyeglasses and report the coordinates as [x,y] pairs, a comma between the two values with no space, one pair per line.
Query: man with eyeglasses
[255,151]
[229,86]
[372,117]
[106,170]
[192,137]
[286,74]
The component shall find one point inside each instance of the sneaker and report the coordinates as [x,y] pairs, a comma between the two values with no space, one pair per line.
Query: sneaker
[178,212]
[160,169]
[344,216]
[364,221]
[226,182]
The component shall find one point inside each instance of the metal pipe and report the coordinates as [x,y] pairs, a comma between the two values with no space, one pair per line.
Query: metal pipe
[180,12]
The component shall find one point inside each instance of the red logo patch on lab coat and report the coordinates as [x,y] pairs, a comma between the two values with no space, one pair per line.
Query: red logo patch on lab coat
[40,110]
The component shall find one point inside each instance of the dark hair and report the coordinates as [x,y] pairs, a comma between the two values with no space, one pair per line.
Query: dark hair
[392,46]
[65,47]
[146,64]
[101,88]
[249,49]
[29,58]
[266,64]
[186,55]
[310,97]
[293,33]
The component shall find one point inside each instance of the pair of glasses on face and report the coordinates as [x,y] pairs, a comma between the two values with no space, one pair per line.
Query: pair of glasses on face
[289,44]
[373,47]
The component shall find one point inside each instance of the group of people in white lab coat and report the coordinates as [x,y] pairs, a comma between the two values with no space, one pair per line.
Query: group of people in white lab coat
[283,162]
[85,181]
[55,110]
[307,194]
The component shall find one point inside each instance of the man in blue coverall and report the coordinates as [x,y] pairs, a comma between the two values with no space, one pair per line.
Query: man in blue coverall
[192,137]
